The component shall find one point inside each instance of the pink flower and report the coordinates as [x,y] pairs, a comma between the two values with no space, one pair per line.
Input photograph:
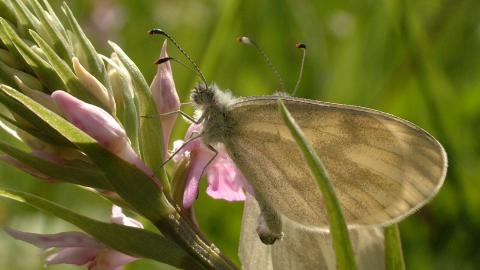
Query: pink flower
[225,181]
[79,248]
[100,125]
[165,96]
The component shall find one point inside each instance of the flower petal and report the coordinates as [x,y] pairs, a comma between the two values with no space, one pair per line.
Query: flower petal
[73,255]
[165,95]
[111,260]
[65,239]
[199,159]
[225,181]
[119,218]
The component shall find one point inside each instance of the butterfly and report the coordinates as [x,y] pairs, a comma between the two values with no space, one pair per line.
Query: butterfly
[382,168]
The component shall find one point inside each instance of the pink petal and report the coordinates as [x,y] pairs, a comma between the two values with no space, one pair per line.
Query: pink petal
[224,178]
[199,159]
[73,255]
[66,239]
[111,260]
[165,95]
[225,181]
[119,218]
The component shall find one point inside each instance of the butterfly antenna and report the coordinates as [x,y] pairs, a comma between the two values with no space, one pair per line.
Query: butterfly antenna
[249,41]
[303,47]
[175,43]
[166,59]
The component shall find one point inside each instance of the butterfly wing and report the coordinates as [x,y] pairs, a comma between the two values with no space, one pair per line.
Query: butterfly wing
[382,167]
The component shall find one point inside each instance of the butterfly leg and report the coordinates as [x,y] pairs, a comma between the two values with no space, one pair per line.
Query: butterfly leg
[184,114]
[211,148]
[181,147]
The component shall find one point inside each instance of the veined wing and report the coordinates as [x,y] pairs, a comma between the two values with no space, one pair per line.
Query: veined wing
[382,167]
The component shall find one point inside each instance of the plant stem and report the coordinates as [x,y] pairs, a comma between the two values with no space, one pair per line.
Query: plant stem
[180,230]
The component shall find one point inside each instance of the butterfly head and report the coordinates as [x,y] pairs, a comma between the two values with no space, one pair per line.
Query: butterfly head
[203,95]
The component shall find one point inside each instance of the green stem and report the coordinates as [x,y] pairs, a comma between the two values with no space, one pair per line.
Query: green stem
[393,249]
[340,237]
[180,230]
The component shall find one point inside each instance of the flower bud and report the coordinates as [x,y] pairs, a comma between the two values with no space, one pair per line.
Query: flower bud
[165,96]
[100,125]
[96,88]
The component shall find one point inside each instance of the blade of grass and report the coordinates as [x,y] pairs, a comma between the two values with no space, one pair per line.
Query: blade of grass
[338,229]
[393,249]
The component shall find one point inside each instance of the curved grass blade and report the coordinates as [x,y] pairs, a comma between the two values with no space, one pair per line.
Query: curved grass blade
[338,229]
[133,241]
[393,249]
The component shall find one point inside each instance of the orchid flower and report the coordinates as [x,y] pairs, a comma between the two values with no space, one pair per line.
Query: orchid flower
[79,248]
[225,180]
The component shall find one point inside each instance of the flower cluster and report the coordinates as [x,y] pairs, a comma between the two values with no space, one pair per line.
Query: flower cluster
[58,93]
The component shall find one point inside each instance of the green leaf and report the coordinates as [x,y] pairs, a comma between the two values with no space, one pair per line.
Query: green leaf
[124,99]
[72,172]
[340,237]
[151,136]
[74,86]
[60,43]
[38,127]
[26,20]
[6,11]
[26,78]
[393,249]
[39,66]
[9,59]
[129,240]
[88,53]
[129,182]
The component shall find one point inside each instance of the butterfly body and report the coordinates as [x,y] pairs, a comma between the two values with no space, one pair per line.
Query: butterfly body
[383,168]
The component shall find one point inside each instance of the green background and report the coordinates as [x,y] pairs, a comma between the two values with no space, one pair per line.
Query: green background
[415,59]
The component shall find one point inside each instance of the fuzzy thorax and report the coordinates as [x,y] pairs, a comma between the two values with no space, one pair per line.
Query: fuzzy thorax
[212,107]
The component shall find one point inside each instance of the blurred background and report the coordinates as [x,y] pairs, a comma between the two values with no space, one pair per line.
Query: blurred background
[419,60]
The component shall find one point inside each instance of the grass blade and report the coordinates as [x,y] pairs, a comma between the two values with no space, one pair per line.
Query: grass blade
[338,229]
